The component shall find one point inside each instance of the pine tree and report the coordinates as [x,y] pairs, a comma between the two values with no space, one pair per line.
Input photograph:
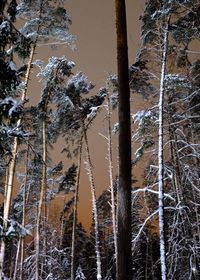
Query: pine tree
[124,257]
[177,128]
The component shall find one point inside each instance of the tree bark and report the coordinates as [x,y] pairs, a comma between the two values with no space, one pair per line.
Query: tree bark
[20,246]
[42,200]
[75,210]
[94,203]
[2,6]
[110,162]
[124,258]
[161,158]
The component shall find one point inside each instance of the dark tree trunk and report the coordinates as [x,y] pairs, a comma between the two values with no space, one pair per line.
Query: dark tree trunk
[124,258]
[2,6]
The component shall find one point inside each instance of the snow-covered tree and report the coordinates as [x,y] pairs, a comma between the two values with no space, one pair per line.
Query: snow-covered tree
[178,148]
[79,274]
[45,21]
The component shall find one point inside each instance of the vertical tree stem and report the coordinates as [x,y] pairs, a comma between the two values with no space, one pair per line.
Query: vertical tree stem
[21,239]
[94,204]
[124,257]
[161,158]
[75,210]
[110,162]
[42,200]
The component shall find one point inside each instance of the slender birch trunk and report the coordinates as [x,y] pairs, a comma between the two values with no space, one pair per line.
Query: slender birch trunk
[124,245]
[11,168]
[42,200]
[161,159]
[17,258]
[110,162]
[20,246]
[94,203]
[25,199]
[75,210]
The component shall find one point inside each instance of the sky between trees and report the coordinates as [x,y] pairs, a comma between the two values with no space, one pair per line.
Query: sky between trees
[95,54]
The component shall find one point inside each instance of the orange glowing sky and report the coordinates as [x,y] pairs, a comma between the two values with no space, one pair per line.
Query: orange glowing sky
[93,22]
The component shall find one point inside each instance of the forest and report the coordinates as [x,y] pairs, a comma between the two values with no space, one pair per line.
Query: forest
[143,227]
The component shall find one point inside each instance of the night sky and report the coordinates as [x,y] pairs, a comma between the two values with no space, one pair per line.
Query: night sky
[93,22]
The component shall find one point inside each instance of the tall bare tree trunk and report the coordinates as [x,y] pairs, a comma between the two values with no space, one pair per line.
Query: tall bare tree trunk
[17,258]
[75,210]
[94,203]
[20,246]
[110,162]
[2,6]
[124,257]
[161,157]
[11,171]
[42,200]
